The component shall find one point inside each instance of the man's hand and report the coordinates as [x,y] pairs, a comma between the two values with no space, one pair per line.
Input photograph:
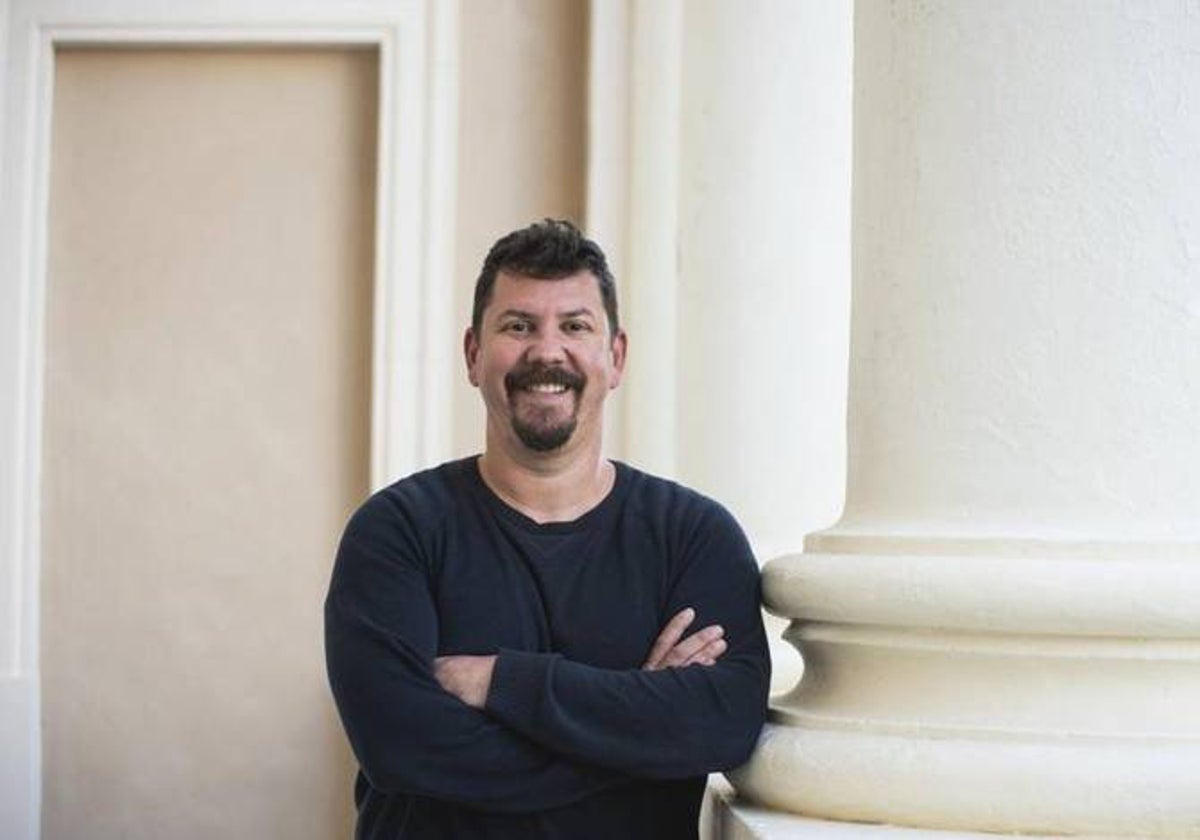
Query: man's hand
[469,677]
[703,647]
[466,677]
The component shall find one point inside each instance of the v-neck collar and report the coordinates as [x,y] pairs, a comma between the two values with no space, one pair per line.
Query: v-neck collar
[596,514]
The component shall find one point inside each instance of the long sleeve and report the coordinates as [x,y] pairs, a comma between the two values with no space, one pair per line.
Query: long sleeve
[410,736]
[663,724]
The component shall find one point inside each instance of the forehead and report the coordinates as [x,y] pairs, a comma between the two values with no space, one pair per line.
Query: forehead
[579,291]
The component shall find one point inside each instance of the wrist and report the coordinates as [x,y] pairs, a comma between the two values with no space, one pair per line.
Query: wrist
[466,677]
[487,668]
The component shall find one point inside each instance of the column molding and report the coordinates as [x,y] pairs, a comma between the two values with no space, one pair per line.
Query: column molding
[632,207]
[1019,687]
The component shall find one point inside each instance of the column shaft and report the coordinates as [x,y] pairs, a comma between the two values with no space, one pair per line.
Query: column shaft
[1003,632]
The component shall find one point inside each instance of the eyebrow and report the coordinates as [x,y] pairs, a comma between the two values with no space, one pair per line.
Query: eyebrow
[517,313]
[521,313]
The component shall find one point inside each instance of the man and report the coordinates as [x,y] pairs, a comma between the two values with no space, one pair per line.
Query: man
[505,634]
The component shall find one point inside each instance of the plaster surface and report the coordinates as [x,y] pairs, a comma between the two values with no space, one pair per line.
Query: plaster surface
[1027,246]
[733,818]
[1001,632]
[206,435]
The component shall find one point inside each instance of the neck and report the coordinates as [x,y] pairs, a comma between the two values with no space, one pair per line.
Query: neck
[548,486]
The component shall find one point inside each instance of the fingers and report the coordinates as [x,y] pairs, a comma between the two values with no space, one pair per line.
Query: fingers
[672,650]
[702,646]
[708,655]
[668,638]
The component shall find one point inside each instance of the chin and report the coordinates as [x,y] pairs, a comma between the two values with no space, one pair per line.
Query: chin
[545,438]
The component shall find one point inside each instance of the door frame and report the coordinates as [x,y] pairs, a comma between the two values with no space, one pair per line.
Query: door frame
[416,42]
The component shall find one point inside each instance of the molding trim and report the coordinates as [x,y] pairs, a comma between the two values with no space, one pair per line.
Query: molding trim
[1090,788]
[1004,685]
[730,817]
[635,68]
[1150,592]
[415,183]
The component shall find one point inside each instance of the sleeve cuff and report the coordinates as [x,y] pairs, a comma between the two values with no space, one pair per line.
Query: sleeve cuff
[518,686]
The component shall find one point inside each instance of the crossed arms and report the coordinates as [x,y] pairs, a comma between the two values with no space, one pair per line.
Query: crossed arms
[469,677]
[523,731]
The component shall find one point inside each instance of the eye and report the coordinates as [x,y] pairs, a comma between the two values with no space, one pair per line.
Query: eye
[576,326]
[517,327]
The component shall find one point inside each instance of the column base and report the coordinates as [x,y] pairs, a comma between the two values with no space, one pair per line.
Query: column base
[1039,688]
[1036,788]
[730,817]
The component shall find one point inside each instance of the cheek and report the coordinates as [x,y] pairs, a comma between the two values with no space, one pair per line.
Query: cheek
[603,376]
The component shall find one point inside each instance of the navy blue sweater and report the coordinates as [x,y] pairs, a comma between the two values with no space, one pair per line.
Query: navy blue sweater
[576,740]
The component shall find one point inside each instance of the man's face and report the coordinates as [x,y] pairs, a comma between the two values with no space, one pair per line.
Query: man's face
[544,360]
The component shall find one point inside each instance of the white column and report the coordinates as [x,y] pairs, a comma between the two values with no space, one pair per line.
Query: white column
[1003,632]
[764,261]
[719,182]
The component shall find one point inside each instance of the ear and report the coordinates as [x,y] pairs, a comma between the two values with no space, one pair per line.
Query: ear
[620,344]
[471,355]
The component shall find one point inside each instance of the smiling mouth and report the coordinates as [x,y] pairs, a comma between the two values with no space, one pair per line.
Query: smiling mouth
[548,388]
[543,402]
[543,379]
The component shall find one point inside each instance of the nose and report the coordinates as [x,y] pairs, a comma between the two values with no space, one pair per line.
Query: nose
[547,348]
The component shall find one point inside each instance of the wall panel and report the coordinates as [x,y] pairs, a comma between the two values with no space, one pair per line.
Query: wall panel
[206,433]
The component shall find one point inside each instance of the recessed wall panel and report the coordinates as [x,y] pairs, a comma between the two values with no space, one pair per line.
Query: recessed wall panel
[206,434]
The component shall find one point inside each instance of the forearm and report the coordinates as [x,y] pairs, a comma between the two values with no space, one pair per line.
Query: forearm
[665,724]
[668,723]
[411,736]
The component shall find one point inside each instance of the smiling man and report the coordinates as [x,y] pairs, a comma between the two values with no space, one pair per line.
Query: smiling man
[507,635]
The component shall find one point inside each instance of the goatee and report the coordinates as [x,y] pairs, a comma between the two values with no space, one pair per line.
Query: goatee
[545,436]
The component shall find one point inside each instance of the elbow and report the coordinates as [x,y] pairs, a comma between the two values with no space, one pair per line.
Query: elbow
[383,771]
[713,747]
[385,757]
[725,738]
[740,748]
[704,753]
[741,729]
[739,737]
[734,746]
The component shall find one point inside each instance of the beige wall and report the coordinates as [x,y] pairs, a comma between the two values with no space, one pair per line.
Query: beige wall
[521,152]
[208,347]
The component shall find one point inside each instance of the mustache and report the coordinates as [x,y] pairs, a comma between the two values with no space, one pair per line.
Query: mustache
[528,375]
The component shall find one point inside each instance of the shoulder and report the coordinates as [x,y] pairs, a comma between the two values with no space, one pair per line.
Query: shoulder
[390,546]
[689,517]
[418,503]
[658,496]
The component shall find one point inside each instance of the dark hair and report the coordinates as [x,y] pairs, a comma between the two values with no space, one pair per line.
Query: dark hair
[547,250]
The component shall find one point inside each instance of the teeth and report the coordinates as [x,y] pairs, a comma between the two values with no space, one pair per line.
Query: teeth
[547,389]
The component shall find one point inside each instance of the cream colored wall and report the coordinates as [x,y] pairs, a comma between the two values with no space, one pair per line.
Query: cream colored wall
[521,152]
[760,251]
[206,422]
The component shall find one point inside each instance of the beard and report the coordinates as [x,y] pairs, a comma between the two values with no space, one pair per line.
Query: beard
[545,430]
[544,437]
